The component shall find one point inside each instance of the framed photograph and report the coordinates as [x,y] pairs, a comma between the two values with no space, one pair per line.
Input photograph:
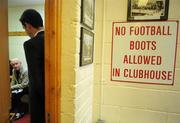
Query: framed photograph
[86,47]
[147,10]
[87,13]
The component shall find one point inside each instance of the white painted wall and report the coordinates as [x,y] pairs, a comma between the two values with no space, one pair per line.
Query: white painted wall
[77,82]
[120,102]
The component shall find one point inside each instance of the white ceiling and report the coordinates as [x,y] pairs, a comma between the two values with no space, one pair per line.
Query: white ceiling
[24,2]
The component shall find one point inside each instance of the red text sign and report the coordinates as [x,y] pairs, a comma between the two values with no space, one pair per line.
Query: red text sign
[144,52]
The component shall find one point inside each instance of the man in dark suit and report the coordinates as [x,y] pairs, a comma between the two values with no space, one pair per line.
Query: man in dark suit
[34,51]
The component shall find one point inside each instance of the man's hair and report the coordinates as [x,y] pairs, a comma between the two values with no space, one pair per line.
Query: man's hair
[15,60]
[32,17]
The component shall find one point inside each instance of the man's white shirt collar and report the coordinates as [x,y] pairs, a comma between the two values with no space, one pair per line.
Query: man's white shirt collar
[38,32]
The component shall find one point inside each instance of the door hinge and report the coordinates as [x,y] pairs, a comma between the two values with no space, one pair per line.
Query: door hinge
[48,118]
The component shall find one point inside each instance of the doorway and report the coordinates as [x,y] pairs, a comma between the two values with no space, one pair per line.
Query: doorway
[17,37]
[52,61]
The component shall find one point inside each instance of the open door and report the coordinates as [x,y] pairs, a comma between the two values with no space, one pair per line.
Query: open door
[52,61]
[4,64]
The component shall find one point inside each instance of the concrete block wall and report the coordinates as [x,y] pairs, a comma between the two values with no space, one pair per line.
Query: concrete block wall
[77,82]
[120,102]
[98,59]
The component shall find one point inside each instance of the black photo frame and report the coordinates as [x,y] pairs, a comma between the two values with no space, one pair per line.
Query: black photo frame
[86,47]
[87,13]
[139,10]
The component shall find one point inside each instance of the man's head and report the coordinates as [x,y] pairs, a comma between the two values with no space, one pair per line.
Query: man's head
[31,21]
[16,64]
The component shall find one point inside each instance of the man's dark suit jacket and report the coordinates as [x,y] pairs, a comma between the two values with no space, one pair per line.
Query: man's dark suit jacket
[34,52]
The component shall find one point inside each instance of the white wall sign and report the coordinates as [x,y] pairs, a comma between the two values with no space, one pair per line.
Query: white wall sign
[144,52]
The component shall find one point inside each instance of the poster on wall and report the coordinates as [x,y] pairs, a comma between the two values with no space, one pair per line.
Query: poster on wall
[87,13]
[147,10]
[87,47]
[144,52]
